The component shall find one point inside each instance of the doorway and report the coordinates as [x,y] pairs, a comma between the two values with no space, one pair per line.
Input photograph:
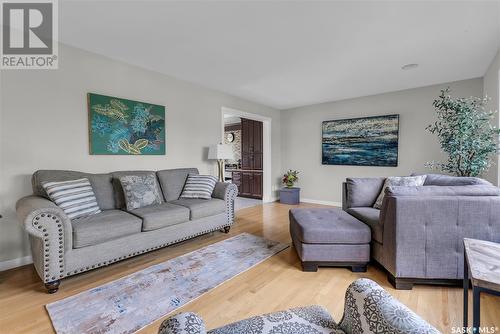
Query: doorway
[249,135]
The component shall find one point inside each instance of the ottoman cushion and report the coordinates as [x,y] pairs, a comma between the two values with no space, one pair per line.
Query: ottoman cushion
[327,226]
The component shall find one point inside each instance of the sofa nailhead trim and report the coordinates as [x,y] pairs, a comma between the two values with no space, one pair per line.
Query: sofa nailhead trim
[38,222]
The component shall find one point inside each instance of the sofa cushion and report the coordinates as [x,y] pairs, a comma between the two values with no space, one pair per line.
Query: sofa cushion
[161,215]
[407,181]
[371,217]
[449,180]
[424,191]
[75,197]
[200,208]
[199,186]
[172,181]
[363,191]
[140,191]
[104,226]
[101,184]
[118,190]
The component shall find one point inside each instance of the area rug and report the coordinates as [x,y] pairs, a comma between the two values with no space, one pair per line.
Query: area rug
[133,302]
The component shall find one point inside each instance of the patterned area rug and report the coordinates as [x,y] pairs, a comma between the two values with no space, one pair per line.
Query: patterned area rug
[131,303]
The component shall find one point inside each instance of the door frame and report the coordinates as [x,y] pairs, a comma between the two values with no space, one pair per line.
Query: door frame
[266,147]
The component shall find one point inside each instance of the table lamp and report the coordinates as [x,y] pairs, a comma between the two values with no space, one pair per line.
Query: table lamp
[220,152]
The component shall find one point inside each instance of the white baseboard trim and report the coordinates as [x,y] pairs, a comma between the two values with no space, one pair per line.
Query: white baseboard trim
[317,201]
[270,199]
[14,263]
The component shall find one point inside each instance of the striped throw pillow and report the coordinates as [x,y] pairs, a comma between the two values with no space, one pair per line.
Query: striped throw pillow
[199,186]
[76,197]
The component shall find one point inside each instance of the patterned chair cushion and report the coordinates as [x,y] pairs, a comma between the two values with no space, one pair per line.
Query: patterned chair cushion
[369,309]
[183,323]
[300,320]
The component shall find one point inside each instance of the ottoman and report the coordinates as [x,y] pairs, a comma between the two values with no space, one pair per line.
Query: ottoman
[329,237]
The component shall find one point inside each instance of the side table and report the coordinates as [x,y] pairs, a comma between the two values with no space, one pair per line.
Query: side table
[482,265]
[290,195]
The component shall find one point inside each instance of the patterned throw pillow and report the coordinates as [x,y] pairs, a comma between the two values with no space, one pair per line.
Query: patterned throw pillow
[199,186]
[407,181]
[76,197]
[140,191]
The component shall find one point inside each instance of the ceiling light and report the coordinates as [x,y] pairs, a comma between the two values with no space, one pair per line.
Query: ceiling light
[409,67]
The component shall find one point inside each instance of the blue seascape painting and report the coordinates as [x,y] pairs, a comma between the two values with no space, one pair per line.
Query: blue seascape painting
[367,141]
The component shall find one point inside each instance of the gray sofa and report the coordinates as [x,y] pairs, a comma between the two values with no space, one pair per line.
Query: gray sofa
[61,247]
[368,309]
[417,235]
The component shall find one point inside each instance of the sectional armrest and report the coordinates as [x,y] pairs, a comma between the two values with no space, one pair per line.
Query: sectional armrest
[51,234]
[371,309]
[183,323]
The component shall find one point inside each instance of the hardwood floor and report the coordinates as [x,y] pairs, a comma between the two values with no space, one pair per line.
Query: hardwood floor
[275,284]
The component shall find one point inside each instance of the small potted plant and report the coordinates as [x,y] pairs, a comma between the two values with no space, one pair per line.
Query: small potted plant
[290,177]
[289,194]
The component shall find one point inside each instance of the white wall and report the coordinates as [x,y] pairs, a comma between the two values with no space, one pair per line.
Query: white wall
[491,88]
[301,136]
[44,126]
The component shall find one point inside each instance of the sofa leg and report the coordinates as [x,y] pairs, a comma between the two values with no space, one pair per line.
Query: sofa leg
[53,286]
[309,266]
[226,229]
[358,269]
[399,283]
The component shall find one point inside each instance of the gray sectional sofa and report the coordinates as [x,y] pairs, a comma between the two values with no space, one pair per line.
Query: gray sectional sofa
[61,247]
[417,235]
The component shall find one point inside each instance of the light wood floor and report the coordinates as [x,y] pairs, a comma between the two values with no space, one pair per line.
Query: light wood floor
[275,284]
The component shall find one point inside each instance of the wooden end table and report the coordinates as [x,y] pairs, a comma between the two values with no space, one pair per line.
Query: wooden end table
[482,265]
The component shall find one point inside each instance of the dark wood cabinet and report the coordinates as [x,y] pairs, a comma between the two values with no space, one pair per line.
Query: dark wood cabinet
[251,144]
[249,179]
[246,184]
[256,185]
[249,183]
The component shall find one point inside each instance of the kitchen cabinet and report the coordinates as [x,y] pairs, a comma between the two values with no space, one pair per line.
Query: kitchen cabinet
[249,183]
[251,144]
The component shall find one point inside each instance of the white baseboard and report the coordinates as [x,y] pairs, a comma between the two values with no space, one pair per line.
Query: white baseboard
[270,199]
[14,263]
[317,201]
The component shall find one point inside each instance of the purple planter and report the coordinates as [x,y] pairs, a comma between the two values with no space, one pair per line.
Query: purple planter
[290,196]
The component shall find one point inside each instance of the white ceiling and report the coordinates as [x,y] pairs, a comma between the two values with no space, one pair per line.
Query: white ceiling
[288,54]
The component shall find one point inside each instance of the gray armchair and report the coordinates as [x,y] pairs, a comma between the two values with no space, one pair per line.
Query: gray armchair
[417,234]
[368,309]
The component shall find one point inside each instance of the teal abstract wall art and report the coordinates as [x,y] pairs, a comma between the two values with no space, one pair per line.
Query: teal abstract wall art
[124,127]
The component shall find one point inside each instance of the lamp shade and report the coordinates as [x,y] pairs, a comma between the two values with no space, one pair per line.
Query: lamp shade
[220,151]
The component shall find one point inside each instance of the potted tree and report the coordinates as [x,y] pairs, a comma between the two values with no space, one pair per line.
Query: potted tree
[466,135]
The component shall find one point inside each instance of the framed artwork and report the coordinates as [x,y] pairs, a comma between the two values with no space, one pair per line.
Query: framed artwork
[124,127]
[366,141]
